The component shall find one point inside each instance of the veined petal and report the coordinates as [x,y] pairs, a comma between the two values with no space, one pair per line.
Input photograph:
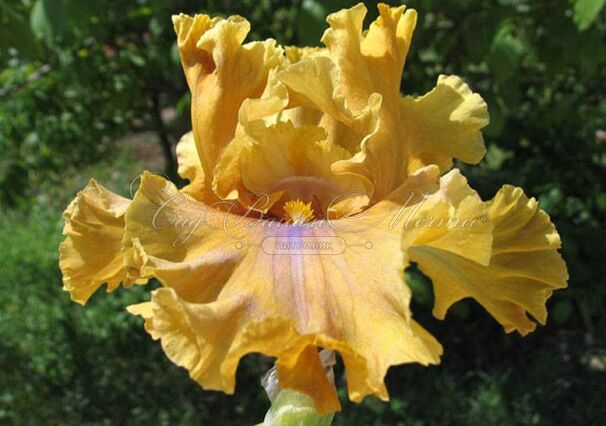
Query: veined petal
[255,300]
[263,154]
[280,152]
[190,167]
[91,254]
[313,86]
[444,124]
[524,268]
[221,74]
[386,46]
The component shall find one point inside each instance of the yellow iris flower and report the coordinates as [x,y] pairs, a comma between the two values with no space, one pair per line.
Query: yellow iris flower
[313,185]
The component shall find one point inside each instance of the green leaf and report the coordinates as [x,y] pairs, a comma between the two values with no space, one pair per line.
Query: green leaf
[562,310]
[586,12]
[311,22]
[48,19]
[498,118]
[15,32]
[506,54]
[478,31]
[420,286]
[82,13]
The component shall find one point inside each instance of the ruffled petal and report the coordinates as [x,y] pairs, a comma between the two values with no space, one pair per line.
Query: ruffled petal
[296,162]
[524,266]
[373,62]
[313,84]
[315,382]
[254,113]
[279,152]
[190,167]
[206,340]
[309,127]
[453,220]
[269,155]
[91,254]
[444,124]
[224,284]
[368,64]
[221,74]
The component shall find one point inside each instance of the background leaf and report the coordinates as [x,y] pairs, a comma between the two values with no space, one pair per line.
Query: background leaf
[48,19]
[311,22]
[586,12]
[506,53]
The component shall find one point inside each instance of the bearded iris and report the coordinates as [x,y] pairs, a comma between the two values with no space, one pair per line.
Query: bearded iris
[304,136]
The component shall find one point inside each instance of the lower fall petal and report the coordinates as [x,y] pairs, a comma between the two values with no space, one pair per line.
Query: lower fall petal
[524,267]
[280,304]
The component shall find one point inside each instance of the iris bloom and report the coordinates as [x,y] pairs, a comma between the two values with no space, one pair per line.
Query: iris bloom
[314,152]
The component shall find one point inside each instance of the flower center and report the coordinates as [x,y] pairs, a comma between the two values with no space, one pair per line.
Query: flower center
[297,212]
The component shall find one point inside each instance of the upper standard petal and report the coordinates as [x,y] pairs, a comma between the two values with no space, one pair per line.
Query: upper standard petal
[444,124]
[221,73]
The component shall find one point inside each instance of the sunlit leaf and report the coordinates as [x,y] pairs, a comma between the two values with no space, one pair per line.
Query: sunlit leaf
[586,12]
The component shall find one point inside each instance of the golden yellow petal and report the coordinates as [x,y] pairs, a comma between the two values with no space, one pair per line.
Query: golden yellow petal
[196,63]
[523,270]
[283,160]
[444,124]
[205,340]
[254,113]
[229,296]
[371,63]
[343,40]
[221,73]
[313,84]
[314,382]
[297,162]
[91,254]
[190,167]
[520,226]
[280,152]
[296,54]
[453,220]
[368,65]
[386,46]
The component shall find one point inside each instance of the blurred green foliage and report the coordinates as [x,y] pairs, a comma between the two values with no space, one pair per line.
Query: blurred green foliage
[78,76]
